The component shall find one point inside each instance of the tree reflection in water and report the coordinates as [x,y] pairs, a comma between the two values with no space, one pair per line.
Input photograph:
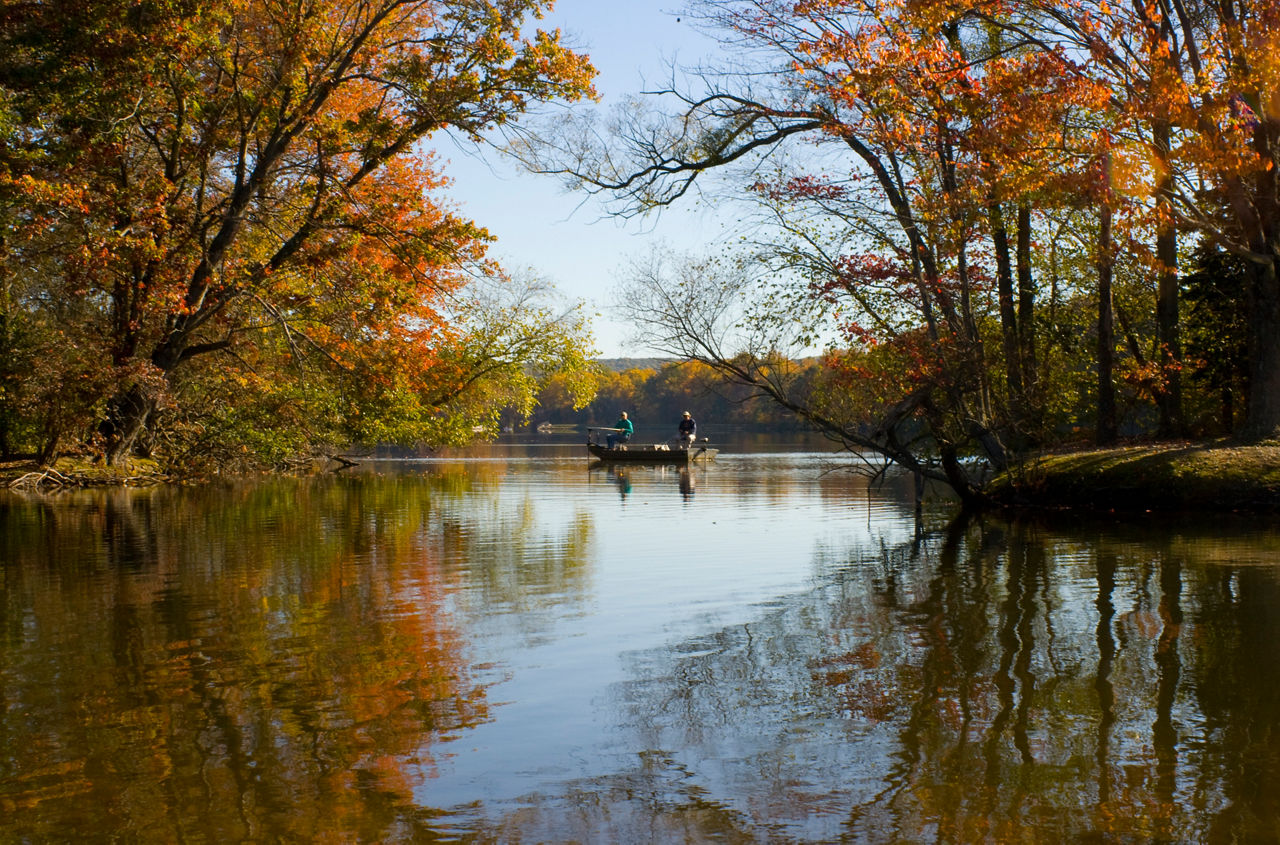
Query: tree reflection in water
[1001,682]
[289,661]
[272,662]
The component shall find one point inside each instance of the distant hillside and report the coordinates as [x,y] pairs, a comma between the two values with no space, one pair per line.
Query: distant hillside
[655,391]
[619,365]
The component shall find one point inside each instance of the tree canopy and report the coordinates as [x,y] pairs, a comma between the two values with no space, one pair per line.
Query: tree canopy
[221,222]
[956,195]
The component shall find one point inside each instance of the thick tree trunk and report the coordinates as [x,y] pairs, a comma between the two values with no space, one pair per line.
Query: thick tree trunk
[1105,433]
[127,416]
[1008,316]
[1263,419]
[971,496]
[48,453]
[129,412]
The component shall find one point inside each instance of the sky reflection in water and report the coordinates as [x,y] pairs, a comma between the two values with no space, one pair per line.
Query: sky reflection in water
[507,645]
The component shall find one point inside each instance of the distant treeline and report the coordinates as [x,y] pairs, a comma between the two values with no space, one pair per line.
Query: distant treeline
[655,393]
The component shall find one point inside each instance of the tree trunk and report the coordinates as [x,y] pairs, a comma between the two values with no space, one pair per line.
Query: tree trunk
[1105,433]
[1263,419]
[129,412]
[1169,353]
[1026,301]
[48,454]
[1008,316]
[127,416]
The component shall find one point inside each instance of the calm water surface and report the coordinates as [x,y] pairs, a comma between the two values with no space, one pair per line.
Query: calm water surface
[508,646]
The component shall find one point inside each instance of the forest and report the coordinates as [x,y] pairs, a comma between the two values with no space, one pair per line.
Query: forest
[655,393]
[966,232]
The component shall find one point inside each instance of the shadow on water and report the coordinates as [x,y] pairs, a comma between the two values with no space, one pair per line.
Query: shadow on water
[294,661]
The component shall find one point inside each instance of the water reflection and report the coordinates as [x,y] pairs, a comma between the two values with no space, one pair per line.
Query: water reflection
[1008,681]
[274,661]
[503,651]
[683,479]
[621,477]
[688,484]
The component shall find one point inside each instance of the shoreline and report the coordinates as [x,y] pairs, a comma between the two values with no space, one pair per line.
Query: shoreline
[1217,475]
[25,475]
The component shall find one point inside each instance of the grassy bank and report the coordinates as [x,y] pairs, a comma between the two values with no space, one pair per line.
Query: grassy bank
[1215,475]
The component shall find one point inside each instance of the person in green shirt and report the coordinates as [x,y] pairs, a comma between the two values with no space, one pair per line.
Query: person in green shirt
[625,430]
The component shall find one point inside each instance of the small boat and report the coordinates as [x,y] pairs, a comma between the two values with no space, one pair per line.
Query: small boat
[630,454]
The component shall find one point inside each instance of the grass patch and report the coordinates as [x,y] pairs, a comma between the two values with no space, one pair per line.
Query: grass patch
[1216,475]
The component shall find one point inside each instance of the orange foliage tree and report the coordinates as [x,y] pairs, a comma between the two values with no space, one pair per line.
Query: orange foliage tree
[924,125]
[233,197]
[910,157]
[1195,89]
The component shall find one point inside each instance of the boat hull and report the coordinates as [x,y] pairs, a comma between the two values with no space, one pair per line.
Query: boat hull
[640,455]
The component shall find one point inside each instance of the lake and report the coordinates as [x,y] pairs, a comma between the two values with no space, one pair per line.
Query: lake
[505,645]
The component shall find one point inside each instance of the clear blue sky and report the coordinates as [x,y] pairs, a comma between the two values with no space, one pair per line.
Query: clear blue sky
[557,235]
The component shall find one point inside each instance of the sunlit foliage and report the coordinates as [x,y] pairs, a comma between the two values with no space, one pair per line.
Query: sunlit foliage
[221,226]
[981,208]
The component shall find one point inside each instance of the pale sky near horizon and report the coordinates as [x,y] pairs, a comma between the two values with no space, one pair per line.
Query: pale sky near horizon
[560,236]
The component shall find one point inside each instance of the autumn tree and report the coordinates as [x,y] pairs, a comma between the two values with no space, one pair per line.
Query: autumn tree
[242,186]
[908,158]
[907,217]
[1196,85]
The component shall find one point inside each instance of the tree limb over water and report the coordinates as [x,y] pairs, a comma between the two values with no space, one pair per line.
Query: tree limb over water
[699,310]
[957,200]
